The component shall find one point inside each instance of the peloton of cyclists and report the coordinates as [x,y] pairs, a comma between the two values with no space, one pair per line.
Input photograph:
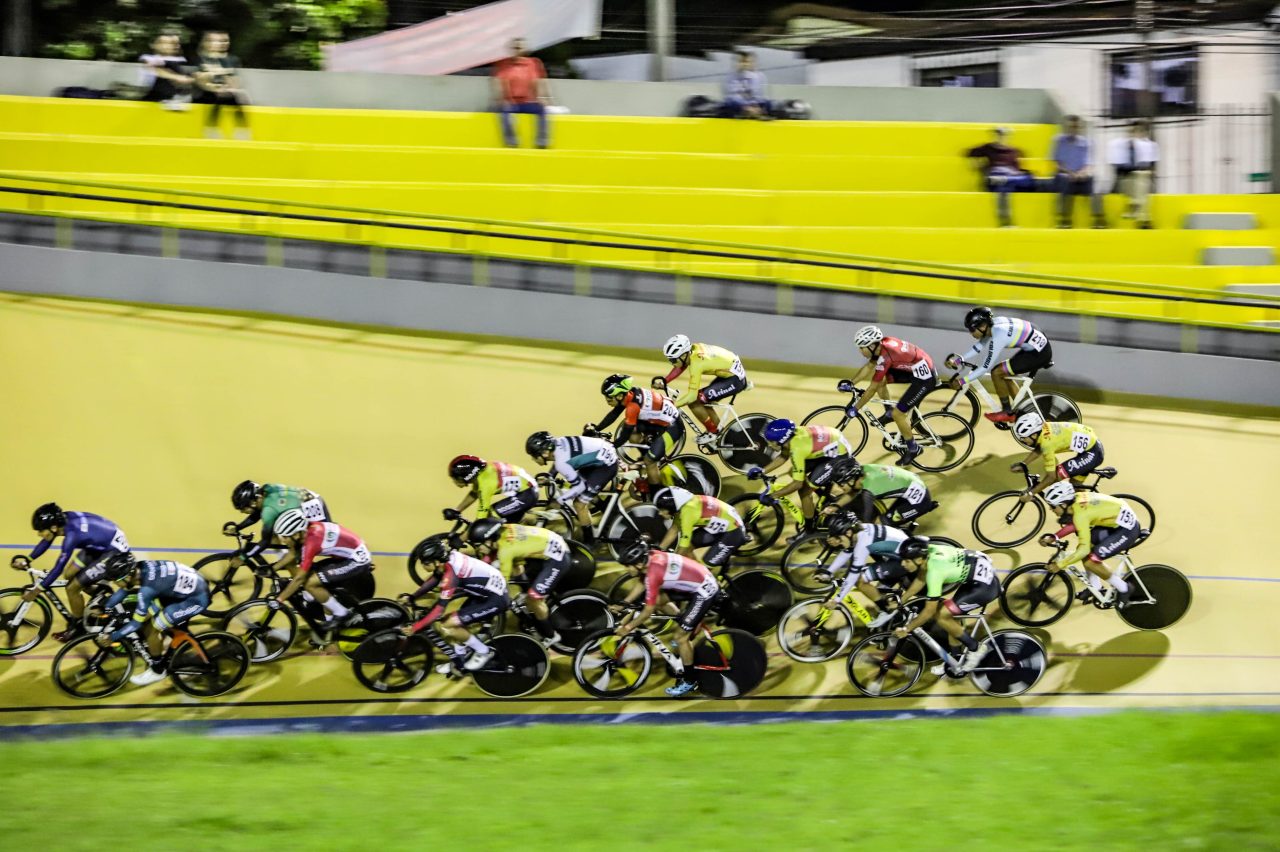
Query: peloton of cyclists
[994,335]
[704,359]
[892,360]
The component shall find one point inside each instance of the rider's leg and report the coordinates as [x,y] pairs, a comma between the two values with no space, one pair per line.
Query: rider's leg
[704,415]
[806,501]
[954,628]
[544,583]
[1006,390]
[155,646]
[653,473]
[75,594]
[456,632]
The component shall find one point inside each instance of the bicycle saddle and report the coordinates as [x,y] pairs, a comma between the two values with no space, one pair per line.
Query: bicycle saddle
[1105,472]
[1142,536]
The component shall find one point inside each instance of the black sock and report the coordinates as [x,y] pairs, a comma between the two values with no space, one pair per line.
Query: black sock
[968,642]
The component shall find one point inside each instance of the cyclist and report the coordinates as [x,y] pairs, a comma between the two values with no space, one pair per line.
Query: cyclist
[515,490]
[531,549]
[265,503]
[649,412]
[1104,526]
[699,359]
[813,451]
[1050,439]
[455,573]
[347,559]
[701,521]
[857,487]
[91,538]
[892,360]
[994,335]
[587,464]
[670,572]
[859,543]
[169,593]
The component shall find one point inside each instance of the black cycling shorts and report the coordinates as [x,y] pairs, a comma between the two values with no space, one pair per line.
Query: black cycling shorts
[722,546]
[1028,362]
[481,608]
[720,388]
[335,571]
[694,613]
[1083,463]
[973,595]
[1108,541]
[657,435]
[888,571]
[900,510]
[594,478]
[916,392]
[512,509]
[863,506]
[544,574]
[95,569]
[818,471]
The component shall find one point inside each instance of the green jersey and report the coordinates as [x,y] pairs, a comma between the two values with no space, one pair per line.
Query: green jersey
[278,499]
[946,565]
[883,480]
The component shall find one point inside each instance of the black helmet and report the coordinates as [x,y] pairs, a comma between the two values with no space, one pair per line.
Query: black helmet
[484,531]
[665,500]
[841,523]
[976,317]
[634,552]
[117,566]
[616,385]
[244,494]
[47,517]
[914,547]
[434,549]
[846,470]
[466,468]
[539,444]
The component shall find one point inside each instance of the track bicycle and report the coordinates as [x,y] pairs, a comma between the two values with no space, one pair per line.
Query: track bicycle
[818,629]
[1003,520]
[1034,596]
[751,600]
[765,522]
[1050,405]
[740,442]
[618,523]
[807,560]
[25,624]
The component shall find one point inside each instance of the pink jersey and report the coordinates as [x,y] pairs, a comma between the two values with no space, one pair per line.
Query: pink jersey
[325,538]
[899,356]
[675,573]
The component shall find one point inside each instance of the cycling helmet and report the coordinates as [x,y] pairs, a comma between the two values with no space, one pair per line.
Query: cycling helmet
[539,444]
[976,317]
[466,468]
[868,336]
[47,517]
[914,547]
[665,500]
[616,385]
[1059,493]
[841,523]
[484,531]
[117,566]
[846,470]
[634,552]
[1028,425]
[779,431]
[677,346]
[244,494]
[433,550]
[289,524]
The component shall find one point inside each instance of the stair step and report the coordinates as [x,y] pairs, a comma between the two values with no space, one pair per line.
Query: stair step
[1220,222]
[1238,256]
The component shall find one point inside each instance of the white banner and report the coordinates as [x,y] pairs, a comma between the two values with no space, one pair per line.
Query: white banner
[467,39]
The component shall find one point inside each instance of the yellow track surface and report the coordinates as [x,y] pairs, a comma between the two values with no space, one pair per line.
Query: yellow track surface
[150,417]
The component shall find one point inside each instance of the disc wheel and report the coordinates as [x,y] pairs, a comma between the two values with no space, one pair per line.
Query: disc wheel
[1034,596]
[643,521]
[1058,407]
[742,445]
[854,429]
[211,665]
[1003,521]
[804,559]
[19,635]
[693,473]
[938,452]
[388,662]
[267,634]
[83,670]
[519,666]
[228,587]
[371,616]
[1161,596]
[811,633]
[882,666]
[1014,662]
[763,523]
[607,666]
[579,614]
[729,664]
[755,602]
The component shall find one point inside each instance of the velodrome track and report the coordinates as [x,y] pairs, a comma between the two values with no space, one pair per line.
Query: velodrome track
[150,416]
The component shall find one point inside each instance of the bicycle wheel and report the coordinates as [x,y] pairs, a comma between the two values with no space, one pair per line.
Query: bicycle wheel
[763,523]
[388,662]
[729,664]
[267,634]
[854,429]
[519,666]
[1146,514]
[550,515]
[938,452]
[882,666]
[1058,407]
[1003,521]
[810,633]
[755,601]
[1013,663]
[607,666]
[1034,596]
[693,473]
[211,665]
[1161,596]
[228,587]
[83,670]
[964,403]
[742,445]
[20,634]
[371,616]
[806,556]
[577,615]
[644,520]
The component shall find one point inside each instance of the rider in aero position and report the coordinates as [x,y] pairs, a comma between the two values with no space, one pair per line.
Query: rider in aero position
[266,503]
[701,521]
[857,543]
[1050,439]
[169,593]
[943,565]
[892,360]
[586,464]
[857,486]
[813,451]
[96,539]
[1104,526]
[347,559]
[649,412]
[700,358]
[516,545]
[455,573]
[670,572]
[514,489]
[994,335]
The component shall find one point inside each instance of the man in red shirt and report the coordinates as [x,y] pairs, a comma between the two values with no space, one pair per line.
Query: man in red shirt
[892,360]
[520,86]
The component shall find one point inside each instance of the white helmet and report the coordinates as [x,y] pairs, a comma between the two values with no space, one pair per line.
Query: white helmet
[1060,493]
[868,335]
[289,523]
[1028,425]
[678,345]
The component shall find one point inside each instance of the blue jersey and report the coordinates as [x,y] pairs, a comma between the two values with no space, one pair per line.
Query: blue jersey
[161,583]
[93,534]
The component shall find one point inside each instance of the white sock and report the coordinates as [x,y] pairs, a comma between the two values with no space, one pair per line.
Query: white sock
[476,645]
[459,649]
[1120,585]
[336,608]
[1095,582]
[307,596]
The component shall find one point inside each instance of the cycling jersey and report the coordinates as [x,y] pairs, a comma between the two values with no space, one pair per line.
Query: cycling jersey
[1090,510]
[675,573]
[498,479]
[873,539]
[813,442]
[949,565]
[168,590]
[462,575]
[900,357]
[884,480]
[1005,333]
[325,538]
[276,500]
[1058,438]
[708,513]
[93,534]
[706,359]
[577,453]
[518,542]
[642,405]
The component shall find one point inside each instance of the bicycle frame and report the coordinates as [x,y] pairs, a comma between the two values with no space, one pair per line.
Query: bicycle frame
[48,594]
[1024,396]
[953,665]
[673,659]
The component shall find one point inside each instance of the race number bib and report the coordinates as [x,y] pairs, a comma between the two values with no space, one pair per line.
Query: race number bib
[737,369]
[915,493]
[361,554]
[496,584]
[1037,341]
[983,572]
[1079,442]
[921,370]
[187,581]
[607,455]
[119,542]
[716,526]
[1127,518]
[512,485]
[556,549]
[312,510]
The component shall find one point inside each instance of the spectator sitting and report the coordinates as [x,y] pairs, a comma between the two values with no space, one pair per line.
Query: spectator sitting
[1134,160]
[520,86]
[162,74]
[744,90]
[1002,173]
[1074,158]
[218,84]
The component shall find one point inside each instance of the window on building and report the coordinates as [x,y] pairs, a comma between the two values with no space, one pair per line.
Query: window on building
[978,76]
[1173,84]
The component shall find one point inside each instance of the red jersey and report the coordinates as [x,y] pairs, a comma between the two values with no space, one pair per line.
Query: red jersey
[675,573]
[519,76]
[463,575]
[325,538]
[648,406]
[899,356]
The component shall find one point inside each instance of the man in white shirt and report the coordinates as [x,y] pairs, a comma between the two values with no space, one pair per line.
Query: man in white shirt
[1134,159]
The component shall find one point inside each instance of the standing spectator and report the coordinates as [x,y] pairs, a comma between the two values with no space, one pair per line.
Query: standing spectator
[744,90]
[1002,173]
[218,84]
[520,86]
[1134,160]
[1074,157]
[163,73]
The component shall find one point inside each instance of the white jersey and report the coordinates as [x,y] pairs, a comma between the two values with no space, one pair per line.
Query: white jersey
[860,553]
[575,452]
[1005,333]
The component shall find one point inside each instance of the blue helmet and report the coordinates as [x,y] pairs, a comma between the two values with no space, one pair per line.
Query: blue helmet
[780,431]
